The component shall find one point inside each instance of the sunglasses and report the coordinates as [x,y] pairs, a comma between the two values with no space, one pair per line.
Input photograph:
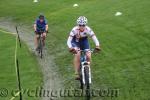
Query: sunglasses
[82,25]
[41,18]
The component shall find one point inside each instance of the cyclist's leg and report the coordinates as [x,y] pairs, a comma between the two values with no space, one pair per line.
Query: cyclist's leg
[88,56]
[44,37]
[36,40]
[76,60]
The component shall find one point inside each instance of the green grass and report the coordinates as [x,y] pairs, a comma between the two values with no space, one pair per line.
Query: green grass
[29,69]
[124,61]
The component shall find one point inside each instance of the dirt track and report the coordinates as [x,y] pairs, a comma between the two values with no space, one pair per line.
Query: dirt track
[51,78]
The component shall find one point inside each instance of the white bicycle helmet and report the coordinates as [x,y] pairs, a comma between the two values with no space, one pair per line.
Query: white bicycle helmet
[82,20]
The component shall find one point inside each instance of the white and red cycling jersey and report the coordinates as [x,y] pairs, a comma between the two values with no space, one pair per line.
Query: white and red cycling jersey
[78,37]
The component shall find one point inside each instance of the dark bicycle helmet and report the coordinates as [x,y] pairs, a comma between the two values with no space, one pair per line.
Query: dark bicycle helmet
[41,16]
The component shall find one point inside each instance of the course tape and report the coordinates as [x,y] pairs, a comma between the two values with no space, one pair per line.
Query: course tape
[15,56]
[7,32]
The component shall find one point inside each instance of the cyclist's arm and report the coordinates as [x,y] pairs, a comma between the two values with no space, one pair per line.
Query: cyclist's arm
[34,26]
[71,35]
[93,36]
[46,27]
[95,40]
[69,41]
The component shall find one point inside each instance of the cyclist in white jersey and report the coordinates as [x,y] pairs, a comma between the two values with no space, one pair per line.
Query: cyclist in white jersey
[78,40]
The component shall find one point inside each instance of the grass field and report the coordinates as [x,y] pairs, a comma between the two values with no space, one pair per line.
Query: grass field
[29,69]
[124,61]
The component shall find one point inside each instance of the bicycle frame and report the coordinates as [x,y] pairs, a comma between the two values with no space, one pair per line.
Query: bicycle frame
[40,42]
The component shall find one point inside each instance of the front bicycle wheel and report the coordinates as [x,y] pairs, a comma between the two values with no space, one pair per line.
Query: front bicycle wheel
[41,48]
[87,83]
[81,82]
[81,78]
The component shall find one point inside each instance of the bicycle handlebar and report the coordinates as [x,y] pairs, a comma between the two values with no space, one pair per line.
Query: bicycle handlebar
[41,31]
[91,50]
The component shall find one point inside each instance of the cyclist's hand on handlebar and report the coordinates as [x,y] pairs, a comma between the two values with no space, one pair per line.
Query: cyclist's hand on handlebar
[35,31]
[72,50]
[46,31]
[97,49]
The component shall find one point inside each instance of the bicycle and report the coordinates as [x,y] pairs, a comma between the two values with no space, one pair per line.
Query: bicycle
[40,44]
[85,72]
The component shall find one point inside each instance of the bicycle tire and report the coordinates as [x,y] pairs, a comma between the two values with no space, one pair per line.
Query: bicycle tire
[87,84]
[81,82]
[41,48]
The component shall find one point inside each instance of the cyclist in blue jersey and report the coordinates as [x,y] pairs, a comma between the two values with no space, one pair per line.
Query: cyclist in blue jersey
[40,25]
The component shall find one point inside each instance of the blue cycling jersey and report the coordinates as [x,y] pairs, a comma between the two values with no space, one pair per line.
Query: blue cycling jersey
[40,26]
